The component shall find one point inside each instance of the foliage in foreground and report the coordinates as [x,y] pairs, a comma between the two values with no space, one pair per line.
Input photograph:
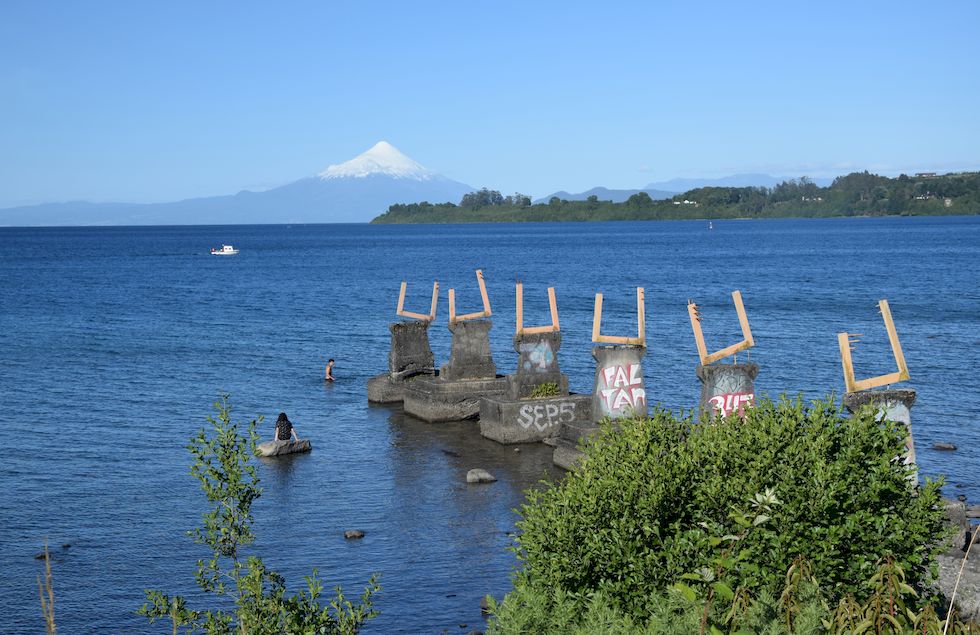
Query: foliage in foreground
[659,507]
[223,464]
[801,608]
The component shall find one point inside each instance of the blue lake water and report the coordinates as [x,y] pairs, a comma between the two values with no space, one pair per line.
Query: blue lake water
[115,341]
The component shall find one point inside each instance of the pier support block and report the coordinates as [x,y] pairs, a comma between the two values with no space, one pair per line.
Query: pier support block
[618,392]
[455,393]
[726,389]
[893,405]
[410,355]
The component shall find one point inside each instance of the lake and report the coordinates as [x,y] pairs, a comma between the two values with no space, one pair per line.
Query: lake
[115,341]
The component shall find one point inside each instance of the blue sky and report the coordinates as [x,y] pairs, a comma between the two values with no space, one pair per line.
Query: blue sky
[139,101]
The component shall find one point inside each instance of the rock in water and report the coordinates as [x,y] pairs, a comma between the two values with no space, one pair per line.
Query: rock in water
[478,475]
[278,448]
[947,447]
[353,533]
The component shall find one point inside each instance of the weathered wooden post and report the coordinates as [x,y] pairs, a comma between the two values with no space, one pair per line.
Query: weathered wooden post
[618,389]
[410,354]
[537,401]
[892,405]
[454,394]
[725,388]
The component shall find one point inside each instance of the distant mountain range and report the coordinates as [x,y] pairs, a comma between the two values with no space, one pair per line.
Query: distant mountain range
[680,186]
[605,194]
[667,189]
[350,192]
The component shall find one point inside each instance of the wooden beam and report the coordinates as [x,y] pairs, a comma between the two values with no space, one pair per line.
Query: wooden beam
[418,316]
[743,320]
[639,340]
[846,345]
[470,316]
[521,329]
[886,314]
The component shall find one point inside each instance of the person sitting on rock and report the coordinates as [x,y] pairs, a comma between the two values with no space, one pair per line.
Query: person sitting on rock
[285,429]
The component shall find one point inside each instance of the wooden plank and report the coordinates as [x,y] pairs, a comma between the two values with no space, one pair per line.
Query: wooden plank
[844,343]
[520,309]
[532,330]
[639,340]
[886,314]
[743,319]
[876,382]
[725,352]
[401,298]
[596,317]
[641,317]
[435,300]
[692,311]
[411,314]
[483,293]
[452,305]
[553,305]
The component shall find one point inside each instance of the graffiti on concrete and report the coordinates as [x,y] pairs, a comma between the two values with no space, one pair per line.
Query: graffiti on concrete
[732,402]
[546,415]
[538,356]
[621,389]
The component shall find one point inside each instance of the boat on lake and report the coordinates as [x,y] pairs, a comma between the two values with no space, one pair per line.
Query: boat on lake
[226,250]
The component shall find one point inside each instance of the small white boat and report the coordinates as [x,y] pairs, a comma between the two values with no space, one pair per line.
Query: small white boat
[710,226]
[226,250]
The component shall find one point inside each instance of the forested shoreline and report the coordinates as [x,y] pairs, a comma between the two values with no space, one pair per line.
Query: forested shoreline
[855,194]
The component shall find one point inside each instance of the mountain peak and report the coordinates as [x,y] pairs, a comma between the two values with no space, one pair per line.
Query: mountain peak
[382,158]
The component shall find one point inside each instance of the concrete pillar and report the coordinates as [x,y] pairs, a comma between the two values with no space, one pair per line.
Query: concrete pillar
[893,405]
[470,356]
[726,388]
[410,353]
[619,389]
[537,363]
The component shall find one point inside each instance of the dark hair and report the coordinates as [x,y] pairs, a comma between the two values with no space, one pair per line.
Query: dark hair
[282,417]
[330,360]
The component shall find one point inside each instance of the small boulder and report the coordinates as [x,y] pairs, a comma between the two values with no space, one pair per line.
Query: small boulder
[478,475]
[551,441]
[352,534]
[485,605]
[944,447]
[67,545]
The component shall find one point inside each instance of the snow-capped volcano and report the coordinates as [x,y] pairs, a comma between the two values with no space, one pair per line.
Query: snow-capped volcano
[352,192]
[384,159]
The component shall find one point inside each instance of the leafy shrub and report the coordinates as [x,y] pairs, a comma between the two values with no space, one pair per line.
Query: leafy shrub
[224,465]
[545,390]
[654,495]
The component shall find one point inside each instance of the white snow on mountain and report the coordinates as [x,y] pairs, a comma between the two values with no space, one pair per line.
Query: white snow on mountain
[383,158]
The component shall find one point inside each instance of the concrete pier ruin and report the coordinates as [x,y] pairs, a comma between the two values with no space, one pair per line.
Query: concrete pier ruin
[454,394]
[410,357]
[519,416]
[618,388]
[891,405]
[726,389]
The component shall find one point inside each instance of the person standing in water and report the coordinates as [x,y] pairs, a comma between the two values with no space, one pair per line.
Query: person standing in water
[327,374]
[285,429]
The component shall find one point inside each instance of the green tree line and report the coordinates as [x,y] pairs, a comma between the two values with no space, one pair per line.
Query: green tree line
[855,194]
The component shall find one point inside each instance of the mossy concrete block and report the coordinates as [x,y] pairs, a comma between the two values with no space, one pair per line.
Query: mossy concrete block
[437,399]
[469,356]
[506,420]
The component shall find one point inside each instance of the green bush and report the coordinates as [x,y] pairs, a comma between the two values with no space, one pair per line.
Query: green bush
[254,597]
[648,505]
[545,390]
